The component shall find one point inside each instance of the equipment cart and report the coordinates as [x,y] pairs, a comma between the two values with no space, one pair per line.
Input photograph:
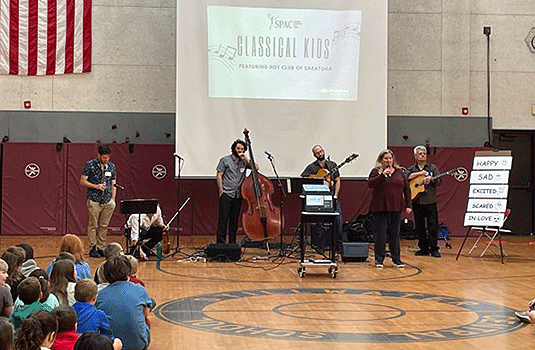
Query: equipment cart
[318,217]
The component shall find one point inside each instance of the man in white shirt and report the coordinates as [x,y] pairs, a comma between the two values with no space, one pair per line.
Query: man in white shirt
[151,228]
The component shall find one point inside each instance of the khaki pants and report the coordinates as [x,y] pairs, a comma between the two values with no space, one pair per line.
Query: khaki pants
[99,218]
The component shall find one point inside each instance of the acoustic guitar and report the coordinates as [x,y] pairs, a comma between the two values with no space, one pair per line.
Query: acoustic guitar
[417,184]
[326,174]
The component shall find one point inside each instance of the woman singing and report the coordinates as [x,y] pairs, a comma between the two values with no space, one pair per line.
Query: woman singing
[391,195]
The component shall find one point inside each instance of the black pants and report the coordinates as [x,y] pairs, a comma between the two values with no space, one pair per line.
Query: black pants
[229,214]
[429,213]
[153,234]
[386,225]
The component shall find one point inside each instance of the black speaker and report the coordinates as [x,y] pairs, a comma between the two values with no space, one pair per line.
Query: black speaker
[354,251]
[223,252]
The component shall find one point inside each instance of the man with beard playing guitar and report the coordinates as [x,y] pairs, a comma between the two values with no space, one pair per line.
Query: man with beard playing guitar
[334,183]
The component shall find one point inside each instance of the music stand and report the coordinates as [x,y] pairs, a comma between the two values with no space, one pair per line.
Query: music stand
[137,206]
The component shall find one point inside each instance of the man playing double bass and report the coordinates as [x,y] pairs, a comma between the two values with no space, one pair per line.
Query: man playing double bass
[231,171]
[335,184]
[424,206]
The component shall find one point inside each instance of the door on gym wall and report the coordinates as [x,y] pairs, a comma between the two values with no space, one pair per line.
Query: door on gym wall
[520,198]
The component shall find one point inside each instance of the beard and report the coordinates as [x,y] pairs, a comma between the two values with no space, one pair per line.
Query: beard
[235,153]
[321,158]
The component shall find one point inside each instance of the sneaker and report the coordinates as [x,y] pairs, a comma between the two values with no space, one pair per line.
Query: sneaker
[378,265]
[523,316]
[399,265]
[94,253]
[435,254]
[421,253]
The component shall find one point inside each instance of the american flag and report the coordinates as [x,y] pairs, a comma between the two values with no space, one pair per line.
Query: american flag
[45,37]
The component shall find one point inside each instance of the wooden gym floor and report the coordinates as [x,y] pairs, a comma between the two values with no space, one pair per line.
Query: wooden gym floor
[263,304]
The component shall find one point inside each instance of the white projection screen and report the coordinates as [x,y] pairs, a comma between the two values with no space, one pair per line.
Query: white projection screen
[295,73]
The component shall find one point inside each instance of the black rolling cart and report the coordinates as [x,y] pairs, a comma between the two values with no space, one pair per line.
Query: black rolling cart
[318,206]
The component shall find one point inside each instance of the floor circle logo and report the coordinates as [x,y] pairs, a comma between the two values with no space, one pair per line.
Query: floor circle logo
[344,307]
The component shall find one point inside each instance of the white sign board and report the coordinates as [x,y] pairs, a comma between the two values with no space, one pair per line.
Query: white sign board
[489,177]
[487,205]
[493,163]
[484,219]
[488,191]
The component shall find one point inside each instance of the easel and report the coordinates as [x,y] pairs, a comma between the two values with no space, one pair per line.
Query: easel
[487,204]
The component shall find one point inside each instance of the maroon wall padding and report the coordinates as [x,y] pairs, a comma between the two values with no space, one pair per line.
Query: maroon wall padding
[33,206]
[54,202]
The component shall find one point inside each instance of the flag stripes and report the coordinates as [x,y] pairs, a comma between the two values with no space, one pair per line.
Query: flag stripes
[45,37]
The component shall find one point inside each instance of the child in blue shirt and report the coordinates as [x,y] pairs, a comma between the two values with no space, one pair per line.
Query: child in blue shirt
[89,318]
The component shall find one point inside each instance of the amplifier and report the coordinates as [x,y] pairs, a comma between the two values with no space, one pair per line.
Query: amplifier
[223,252]
[355,251]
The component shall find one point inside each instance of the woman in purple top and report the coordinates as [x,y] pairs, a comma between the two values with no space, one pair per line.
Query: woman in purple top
[391,195]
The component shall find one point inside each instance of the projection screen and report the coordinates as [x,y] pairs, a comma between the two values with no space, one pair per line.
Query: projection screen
[295,73]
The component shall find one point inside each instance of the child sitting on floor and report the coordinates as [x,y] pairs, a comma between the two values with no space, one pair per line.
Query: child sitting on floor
[89,318]
[38,331]
[62,281]
[67,335]
[111,250]
[29,294]
[6,300]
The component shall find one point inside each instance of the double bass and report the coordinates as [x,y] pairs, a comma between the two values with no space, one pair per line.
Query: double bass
[262,219]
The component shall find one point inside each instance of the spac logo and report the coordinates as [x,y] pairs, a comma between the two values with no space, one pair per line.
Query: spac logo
[276,23]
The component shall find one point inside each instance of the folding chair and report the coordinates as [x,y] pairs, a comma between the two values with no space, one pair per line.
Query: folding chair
[491,232]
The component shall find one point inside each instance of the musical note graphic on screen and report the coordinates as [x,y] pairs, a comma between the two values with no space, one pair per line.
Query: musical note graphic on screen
[224,55]
[350,30]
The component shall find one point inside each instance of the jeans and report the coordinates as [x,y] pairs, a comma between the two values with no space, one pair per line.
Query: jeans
[229,214]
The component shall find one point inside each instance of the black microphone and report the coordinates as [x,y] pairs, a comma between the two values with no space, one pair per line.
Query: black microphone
[270,156]
[118,186]
[178,156]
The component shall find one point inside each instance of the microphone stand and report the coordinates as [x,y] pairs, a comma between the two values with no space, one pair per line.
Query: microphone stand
[282,195]
[180,207]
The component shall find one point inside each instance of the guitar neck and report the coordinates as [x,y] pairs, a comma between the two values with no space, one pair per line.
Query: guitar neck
[443,174]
